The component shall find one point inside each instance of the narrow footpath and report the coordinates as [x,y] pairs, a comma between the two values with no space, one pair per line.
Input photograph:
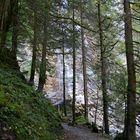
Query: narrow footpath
[80,133]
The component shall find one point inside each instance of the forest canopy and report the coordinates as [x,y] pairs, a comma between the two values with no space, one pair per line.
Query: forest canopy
[81,54]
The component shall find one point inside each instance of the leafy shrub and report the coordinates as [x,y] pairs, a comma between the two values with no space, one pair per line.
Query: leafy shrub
[81,120]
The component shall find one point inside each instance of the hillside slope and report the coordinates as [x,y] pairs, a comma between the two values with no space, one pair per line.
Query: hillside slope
[24,113]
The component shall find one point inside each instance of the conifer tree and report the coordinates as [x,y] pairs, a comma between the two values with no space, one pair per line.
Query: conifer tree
[130,125]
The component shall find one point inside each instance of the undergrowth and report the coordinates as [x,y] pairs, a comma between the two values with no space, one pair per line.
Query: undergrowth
[25,112]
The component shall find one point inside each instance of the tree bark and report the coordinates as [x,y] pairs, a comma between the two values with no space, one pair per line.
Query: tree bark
[6,19]
[33,65]
[103,72]
[64,82]
[42,74]
[3,19]
[131,90]
[96,108]
[15,32]
[2,11]
[74,66]
[84,67]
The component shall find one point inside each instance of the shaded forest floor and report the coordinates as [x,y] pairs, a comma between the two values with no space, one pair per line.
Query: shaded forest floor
[80,133]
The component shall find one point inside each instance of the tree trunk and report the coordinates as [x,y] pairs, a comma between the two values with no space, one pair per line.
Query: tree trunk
[103,72]
[15,32]
[42,74]
[2,20]
[84,67]
[74,67]
[131,89]
[96,109]
[33,65]
[2,11]
[64,82]
[6,20]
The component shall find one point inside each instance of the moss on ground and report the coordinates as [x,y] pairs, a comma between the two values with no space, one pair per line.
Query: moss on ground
[23,111]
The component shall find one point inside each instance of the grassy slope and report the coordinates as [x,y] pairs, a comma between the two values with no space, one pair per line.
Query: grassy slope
[24,111]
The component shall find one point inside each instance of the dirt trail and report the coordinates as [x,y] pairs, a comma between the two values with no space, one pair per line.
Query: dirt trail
[80,133]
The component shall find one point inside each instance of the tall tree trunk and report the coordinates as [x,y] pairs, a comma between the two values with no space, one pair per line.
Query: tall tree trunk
[15,32]
[42,74]
[6,20]
[33,65]
[131,89]
[2,11]
[103,72]
[74,66]
[64,82]
[84,66]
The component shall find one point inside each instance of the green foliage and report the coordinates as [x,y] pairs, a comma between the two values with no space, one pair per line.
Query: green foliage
[81,120]
[26,112]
